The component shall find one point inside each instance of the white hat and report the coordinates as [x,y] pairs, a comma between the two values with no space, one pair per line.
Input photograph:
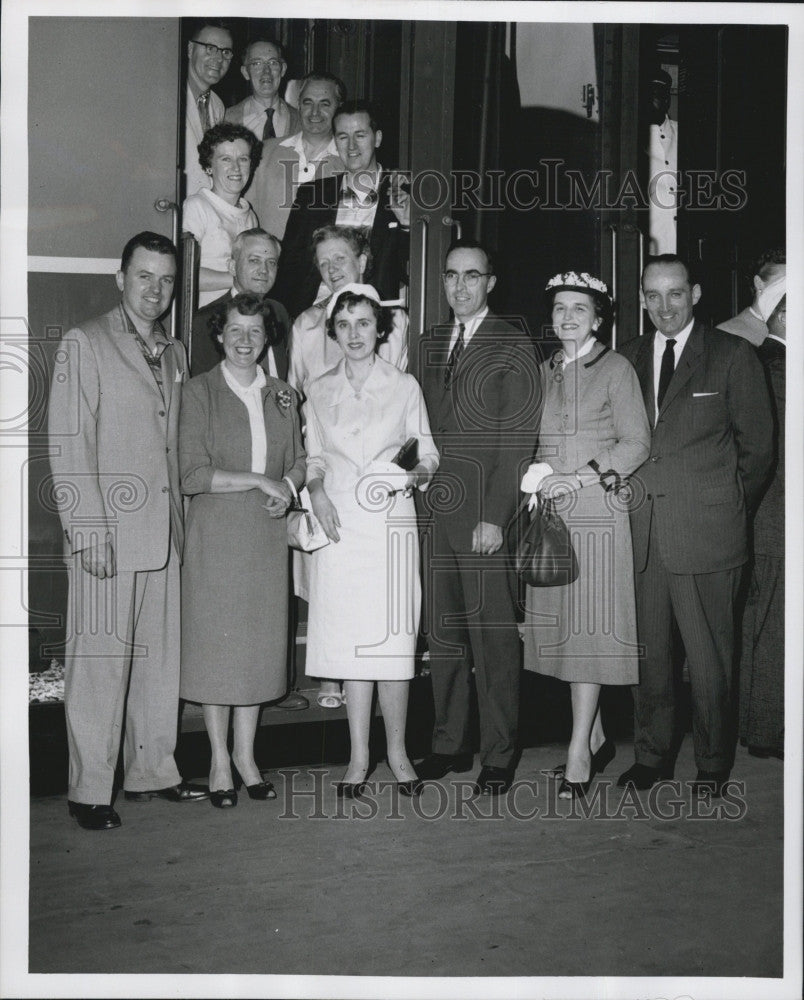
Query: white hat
[770,296]
[369,291]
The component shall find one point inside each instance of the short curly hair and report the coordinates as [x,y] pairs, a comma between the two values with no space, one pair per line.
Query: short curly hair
[348,300]
[227,132]
[247,304]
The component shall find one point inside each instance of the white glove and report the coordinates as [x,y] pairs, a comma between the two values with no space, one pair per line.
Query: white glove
[532,480]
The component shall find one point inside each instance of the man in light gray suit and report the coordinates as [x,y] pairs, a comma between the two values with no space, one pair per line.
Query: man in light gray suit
[711,450]
[113,424]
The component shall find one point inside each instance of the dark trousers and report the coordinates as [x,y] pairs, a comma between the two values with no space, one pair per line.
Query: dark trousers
[471,624]
[703,608]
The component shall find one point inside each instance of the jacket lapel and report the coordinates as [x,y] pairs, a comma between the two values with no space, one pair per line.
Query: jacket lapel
[643,365]
[690,359]
[129,347]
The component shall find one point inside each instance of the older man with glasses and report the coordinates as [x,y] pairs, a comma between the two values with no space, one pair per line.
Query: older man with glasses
[264,112]
[209,53]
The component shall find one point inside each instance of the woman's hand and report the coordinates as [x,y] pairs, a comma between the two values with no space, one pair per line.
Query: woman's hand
[324,510]
[558,484]
[279,495]
[418,478]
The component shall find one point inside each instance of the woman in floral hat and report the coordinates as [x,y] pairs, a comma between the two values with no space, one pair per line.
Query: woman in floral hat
[594,432]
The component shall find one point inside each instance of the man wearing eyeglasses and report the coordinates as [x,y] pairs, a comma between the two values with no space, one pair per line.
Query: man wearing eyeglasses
[481,384]
[264,112]
[209,53]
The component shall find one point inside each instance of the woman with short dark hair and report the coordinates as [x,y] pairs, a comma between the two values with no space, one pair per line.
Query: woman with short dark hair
[229,154]
[239,449]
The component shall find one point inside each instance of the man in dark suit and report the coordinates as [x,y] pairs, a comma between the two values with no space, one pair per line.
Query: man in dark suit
[366,195]
[711,451]
[481,384]
[255,256]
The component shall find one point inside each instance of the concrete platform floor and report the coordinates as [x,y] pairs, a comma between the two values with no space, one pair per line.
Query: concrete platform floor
[387,887]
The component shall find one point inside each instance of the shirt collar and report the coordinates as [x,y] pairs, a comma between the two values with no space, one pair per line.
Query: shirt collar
[368,183]
[680,339]
[587,348]
[157,330]
[296,142]
[243,390]
[471,323]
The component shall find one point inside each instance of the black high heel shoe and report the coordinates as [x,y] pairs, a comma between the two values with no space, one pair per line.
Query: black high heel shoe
[351,789]
[223,799]
[573,789]
[261,791]
[410,789]
[601,758]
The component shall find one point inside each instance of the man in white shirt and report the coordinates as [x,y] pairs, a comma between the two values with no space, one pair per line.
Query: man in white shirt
[264,112]
[663,165]
[711,450]
[300,157]
[750,324]
[209,53]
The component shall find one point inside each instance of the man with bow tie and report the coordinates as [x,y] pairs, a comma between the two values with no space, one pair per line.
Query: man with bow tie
[365,196]
[711,451]
[481,385]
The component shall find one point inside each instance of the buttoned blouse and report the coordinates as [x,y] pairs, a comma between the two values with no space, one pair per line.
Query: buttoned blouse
[349,431]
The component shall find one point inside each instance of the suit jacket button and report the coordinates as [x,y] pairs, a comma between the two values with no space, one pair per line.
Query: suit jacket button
[654,458]
[161,413]
[165,489]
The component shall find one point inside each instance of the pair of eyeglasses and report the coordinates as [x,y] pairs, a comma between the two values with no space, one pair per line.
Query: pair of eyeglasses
[470,278]
[257,65]
[214,50]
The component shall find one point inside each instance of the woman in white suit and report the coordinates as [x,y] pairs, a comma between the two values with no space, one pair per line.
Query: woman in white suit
[365,592]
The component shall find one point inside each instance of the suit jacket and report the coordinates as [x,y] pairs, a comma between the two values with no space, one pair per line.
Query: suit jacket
[484,426]
[193,134]
[204,355]
[114,443]
[316,205]
[711,451]
[769,520]
[273,188]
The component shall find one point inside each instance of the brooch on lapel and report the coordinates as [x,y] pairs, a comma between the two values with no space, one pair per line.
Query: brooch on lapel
[283,400]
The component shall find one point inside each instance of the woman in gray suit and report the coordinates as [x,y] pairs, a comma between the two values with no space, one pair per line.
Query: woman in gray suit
[594,432]
[240,444]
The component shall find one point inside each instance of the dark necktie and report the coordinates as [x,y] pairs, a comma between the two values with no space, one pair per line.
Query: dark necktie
[203,110]
[268,130]
[666,371]
[454,356]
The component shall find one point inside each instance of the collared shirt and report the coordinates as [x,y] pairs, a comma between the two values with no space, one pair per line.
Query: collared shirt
[470,326]
[586,349]
[251,395]
[307,168]
[359,207]
[254,116]
[152,358]
[659,342]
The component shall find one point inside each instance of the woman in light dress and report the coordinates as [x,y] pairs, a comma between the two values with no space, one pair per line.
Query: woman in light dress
[365,590]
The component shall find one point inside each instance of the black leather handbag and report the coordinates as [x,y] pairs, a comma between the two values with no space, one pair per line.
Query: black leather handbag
[542,547]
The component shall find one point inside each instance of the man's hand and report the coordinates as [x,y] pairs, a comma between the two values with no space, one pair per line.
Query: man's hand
[486,538]
[400,199]
[99,560]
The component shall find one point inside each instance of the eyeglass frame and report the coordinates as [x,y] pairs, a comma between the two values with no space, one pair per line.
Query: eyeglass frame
[212,48]
[470,278]
[273,64]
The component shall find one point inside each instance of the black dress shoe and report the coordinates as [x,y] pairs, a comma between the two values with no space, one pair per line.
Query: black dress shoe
[226,799]
[765,752]
[351,789]
[183,792]
[261,790]
[94,817]
[439,764]
[710,783]
[601,758]
[410,789]
[292,702]
[573,789]
[642,776]
[494,780]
